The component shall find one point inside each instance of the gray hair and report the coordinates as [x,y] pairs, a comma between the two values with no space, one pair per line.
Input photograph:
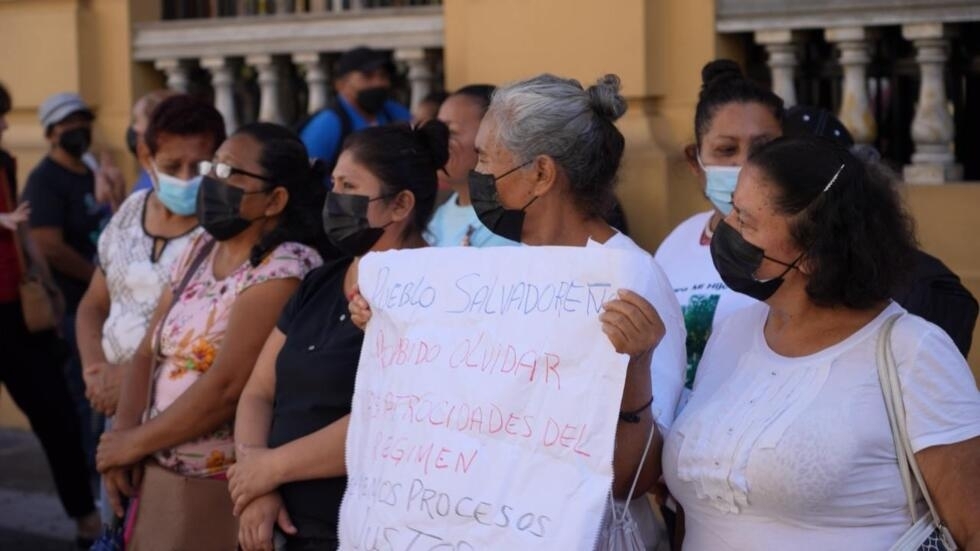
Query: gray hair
[553,116]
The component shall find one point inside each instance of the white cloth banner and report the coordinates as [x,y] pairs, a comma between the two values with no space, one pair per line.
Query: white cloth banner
[487,398]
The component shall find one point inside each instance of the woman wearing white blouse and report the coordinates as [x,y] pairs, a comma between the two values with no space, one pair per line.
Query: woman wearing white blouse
[785,443]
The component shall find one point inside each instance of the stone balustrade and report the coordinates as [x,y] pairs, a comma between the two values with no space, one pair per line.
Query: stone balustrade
[269,44]
[850,25]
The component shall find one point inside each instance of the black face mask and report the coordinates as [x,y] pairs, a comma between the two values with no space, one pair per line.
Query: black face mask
[218,208]
[76,141]
[507,223]
[131,138]
[372,100]
[737,260]
[346,224]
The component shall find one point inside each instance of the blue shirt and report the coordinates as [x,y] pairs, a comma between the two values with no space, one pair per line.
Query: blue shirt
[143,181]
[322,134]
[453,222]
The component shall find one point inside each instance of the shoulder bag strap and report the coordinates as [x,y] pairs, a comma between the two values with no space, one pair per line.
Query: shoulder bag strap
[192,268]
[636,478]
[892,389]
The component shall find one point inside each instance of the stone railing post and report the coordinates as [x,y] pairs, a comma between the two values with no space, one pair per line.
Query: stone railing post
[177,71]
[223,80]
[419,72]
[855,110]
[267,66]
[317,80]
[781,47]
[932,128]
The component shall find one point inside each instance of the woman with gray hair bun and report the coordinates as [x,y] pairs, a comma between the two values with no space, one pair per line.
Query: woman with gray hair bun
[556,146]
[547,156]
[548,153]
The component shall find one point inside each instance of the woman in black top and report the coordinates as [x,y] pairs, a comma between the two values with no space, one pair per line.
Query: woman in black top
[292,418]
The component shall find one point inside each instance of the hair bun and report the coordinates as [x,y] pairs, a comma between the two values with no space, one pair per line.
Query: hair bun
[605,97]
[433,137]
[720,70]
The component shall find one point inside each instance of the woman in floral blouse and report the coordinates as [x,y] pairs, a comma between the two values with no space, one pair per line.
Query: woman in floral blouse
[173,435]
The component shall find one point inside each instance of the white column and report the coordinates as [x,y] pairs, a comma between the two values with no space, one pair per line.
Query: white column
[223,80]
[419,73]
[267,67]
[337,5]
[932,128]
[855,111]
[178,77]
[316,80]
[781,47]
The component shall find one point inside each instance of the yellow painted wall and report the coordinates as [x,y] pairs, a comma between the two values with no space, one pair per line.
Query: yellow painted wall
[947,227]
[49,46]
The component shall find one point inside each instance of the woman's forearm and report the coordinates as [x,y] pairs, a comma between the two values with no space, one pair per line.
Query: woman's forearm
[93,310]
[212,399]
[252,421]
[200,410]
[134,392]
[255,409]
[631,438]
[316,455]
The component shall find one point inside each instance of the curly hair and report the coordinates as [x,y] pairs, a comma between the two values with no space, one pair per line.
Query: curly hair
[858,239]
[184,115]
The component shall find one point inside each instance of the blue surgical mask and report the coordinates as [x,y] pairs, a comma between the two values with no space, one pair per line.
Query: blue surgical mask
[179,196]
[720,185]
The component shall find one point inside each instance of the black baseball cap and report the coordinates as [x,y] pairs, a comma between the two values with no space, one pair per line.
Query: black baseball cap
[363,59]
[803,120]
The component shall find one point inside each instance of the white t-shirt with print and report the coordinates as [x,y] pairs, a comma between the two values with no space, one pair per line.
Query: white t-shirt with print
[134,278]
[774,452]
[667,365]
[705,299]
[452,222]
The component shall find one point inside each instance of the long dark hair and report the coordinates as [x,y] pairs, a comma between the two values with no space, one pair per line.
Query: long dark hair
[285,160]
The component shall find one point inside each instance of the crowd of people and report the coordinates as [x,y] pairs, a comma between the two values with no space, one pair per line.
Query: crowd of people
[199,381]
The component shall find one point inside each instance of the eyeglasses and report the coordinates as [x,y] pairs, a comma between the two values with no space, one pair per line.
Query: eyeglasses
[225,170]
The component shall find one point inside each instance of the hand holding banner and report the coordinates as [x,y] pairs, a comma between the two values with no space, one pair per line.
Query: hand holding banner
[485,410]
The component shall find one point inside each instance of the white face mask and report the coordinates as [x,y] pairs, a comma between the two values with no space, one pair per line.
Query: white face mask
[720,185]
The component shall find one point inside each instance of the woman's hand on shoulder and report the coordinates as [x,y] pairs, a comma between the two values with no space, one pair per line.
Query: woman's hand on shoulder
[360,310]
[632,324]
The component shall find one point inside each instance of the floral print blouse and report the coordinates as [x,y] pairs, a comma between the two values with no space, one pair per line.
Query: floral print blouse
[191,338]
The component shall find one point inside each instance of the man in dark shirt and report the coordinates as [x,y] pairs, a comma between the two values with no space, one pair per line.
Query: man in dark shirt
[65,221]
[362,83]
[31,369]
